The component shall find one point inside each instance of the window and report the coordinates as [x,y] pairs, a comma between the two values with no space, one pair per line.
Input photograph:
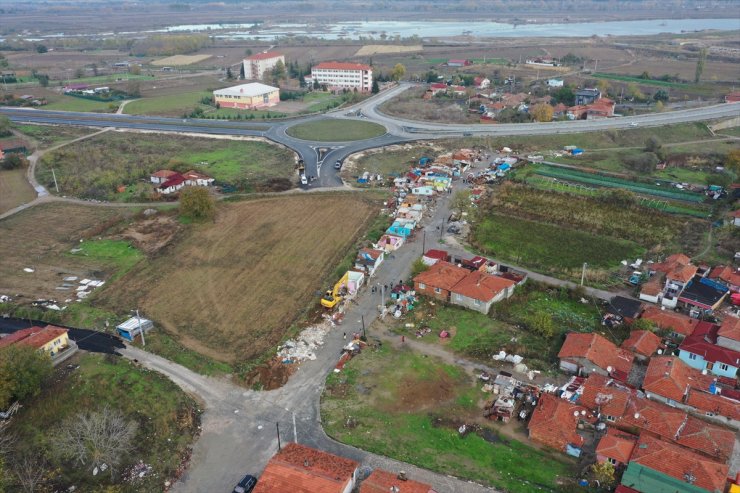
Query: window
[612,461]
[477,302]
[422,285]
[458,297]
[692,356]
[723,367]
[438,290]
[610,418]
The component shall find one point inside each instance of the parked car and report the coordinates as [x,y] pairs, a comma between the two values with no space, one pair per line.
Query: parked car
[338,164]
[246,485]
[304,180]
[633,124]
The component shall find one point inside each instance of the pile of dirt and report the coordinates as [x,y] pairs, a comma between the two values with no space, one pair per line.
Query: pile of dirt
[421,394]
[271,375]
[151,234]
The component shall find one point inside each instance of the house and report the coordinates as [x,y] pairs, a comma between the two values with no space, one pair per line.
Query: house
[133,327]
[652,290]
[587,96]
[700,351]
[603,108]
[162,176]
[398,228]
[606,397]
[657,466]
[626,308]
[380,481]
[368,260]
[728,335]
[642,343]
[433,256]
[554,423]
[725,408]
[437,87]
[459,62]
[668,380]
[172,184]
[481,82]
[195,178]
[247,96]
[256,65]
[300,469]
[458,90]
[703,295]
[389,243]
[679,325]
[733,97]
[678,272]
[478,291]
[585,353]
[423,191]
[616,447]
[51,340]
[727,276]
[555,83]
[338,75]
[439,279]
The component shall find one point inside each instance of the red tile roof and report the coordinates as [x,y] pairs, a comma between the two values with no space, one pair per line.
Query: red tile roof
[669,377]
[730,328]
[725,273]
[342,66]
[679,463]
[174,180]
[554,423]
[481,286]
[442,275]
[438,85]
[654,285]
[36,337]
[437,254]
[374,254]
[714,403]
[677,267]
[264,56]
[164,173]
[617,445]
[195,175]
[711,440]
[598,350]
[652,416]
[625,489]
[642,342]
[666,319]
[300,469]
[703,342]
[381,481]
[603,395]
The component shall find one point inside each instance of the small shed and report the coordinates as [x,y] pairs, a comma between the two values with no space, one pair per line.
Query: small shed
[133,327]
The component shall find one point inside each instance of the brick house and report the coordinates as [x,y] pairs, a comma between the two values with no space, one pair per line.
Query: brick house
[679,325]
[478,291]
[584,353]
[642,343]
[616,447]
[554,424]
[439,279]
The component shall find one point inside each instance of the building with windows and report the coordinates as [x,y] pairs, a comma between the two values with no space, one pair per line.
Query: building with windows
[256,65]
[339,75]
[247,96]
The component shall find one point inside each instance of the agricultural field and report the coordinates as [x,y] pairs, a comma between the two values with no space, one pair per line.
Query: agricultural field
[71,103]
[405,405]
[232,289]
[336,130]
[96,167]
[14,189]
[179,60]
[49,135]
[368,50]
[41,238]
[167,418]
[166,105]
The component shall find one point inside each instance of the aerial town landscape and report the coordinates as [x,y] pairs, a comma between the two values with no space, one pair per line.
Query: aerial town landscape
[329,247]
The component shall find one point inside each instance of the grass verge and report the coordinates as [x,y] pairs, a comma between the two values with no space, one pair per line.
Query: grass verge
[336,130]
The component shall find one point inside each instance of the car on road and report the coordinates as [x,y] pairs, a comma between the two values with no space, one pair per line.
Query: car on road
[304,180]
[633,124]
[246,485]
[338,164]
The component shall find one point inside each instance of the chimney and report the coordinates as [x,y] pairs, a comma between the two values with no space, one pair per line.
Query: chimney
[306,463]
[402,476]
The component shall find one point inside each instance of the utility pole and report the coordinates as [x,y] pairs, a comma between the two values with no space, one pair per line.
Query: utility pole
[277,427]
[583,273]
[596,66]
[295,430]
[362,319]
[55,179]
[143,342]
[423,242]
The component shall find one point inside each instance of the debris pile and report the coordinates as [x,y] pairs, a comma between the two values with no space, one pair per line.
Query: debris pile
[305,345]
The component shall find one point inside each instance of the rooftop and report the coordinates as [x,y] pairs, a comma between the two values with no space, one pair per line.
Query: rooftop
[626,307]
[714,403]
[442,275]
[341,66]
[666,319]
[264,56]
[725,273]
[642,342]
[164,173]
[249,90]
[617,445]
[598,350]
[699,291]
[554,423]
[36,337]
[730,328]
[669,377]
[604,395]
[481,286]
[381,481]
[703,343]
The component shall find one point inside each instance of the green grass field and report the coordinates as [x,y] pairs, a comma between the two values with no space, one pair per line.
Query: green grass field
[101,79]
[71,103]
[120,254]
[48,135]
[336,130]
[639,80]
[170,104]
[408,406]
[167,417]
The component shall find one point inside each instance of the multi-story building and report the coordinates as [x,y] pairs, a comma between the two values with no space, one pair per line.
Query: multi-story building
[256,65]
[338,75]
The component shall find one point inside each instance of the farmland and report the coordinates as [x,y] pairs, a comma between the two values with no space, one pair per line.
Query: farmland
[14,189]
[336,130]
[48,135]
[232,289]
[168,421]
[71,103]
[96,167]
[402,404]
[179,60]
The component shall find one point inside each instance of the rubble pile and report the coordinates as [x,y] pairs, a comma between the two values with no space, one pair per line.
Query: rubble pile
[305,345]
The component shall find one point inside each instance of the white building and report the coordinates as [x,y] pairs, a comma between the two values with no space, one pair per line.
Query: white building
[256,65]
[338,75]
[555,82]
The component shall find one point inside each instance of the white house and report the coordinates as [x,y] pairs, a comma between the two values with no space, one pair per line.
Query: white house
[194,178]
[368,260]
[555,82]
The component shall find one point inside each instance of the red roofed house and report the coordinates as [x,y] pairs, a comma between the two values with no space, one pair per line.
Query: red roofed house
[615,447]
[726,409]
[162,175]
[194,178]
[728,335]
[652,289]
[439,279]
[658,466]
[668,380]
[554,424]
[678,272]
[586,353]
[680,325]
[733,97]
[642,343]
[433,256]
[437,87]
[368,260]
[337,75]
[256,65]
[700,351]
[601,108]
[726,275]
[300,469]
[381,481]
[50,339]
[478,291]
[172,184]
[481,82]
[606,397]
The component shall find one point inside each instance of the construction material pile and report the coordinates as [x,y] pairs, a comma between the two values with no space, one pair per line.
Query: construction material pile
[305,345]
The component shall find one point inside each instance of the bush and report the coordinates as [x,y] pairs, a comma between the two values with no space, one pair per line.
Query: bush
[197,203]
[14,161]
[643,163]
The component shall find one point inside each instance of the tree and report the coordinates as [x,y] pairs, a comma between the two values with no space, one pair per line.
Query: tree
[431,76]
[301,81]
[5,126]
[248,52]
[30,472]
[135,69]
[376,88]
[197,203]
[732,161]
[603,473]
[653,144]
[133,88]
[460,201]
[316,84]
[22,372]
[659,106]
[565,95]
[700,65]
[41,49]
[418,267]
[278,72]
[542,112]
[644,324]
[97,437]
[660,95]
[398,72]
[634,91]
[242,74]
[79,73]
[94,67]
[541,323]
[229,75]
[14,161]
[603,86]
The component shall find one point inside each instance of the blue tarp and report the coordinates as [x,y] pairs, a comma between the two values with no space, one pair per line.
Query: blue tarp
[571,450]
[575,152]
[504,167]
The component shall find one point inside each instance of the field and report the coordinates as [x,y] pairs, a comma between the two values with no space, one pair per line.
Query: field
[96,167]
[48,135]
[71,103]
[14,189]
[336,130]
[168,421]
[232,289]
[179,60]
[407,406]
[166,105]
[41,238]
[368,50]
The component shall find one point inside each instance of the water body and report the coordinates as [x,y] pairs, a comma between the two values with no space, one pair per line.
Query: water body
[439,29]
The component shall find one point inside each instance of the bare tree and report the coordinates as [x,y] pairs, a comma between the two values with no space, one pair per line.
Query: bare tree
[97,438]
[30,472]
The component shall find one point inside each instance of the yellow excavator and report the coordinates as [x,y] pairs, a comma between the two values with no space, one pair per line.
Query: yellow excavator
[332,297]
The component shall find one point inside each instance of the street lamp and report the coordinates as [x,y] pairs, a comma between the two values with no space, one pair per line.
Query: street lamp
[583,273]
[141,331]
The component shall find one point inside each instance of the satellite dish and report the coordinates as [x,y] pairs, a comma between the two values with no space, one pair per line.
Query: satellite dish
[583,413]
[704,372]
[637,415]
[575,413]
[609,369]
[660,351]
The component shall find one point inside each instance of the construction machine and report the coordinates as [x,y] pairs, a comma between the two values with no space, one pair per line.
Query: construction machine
[332,297]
